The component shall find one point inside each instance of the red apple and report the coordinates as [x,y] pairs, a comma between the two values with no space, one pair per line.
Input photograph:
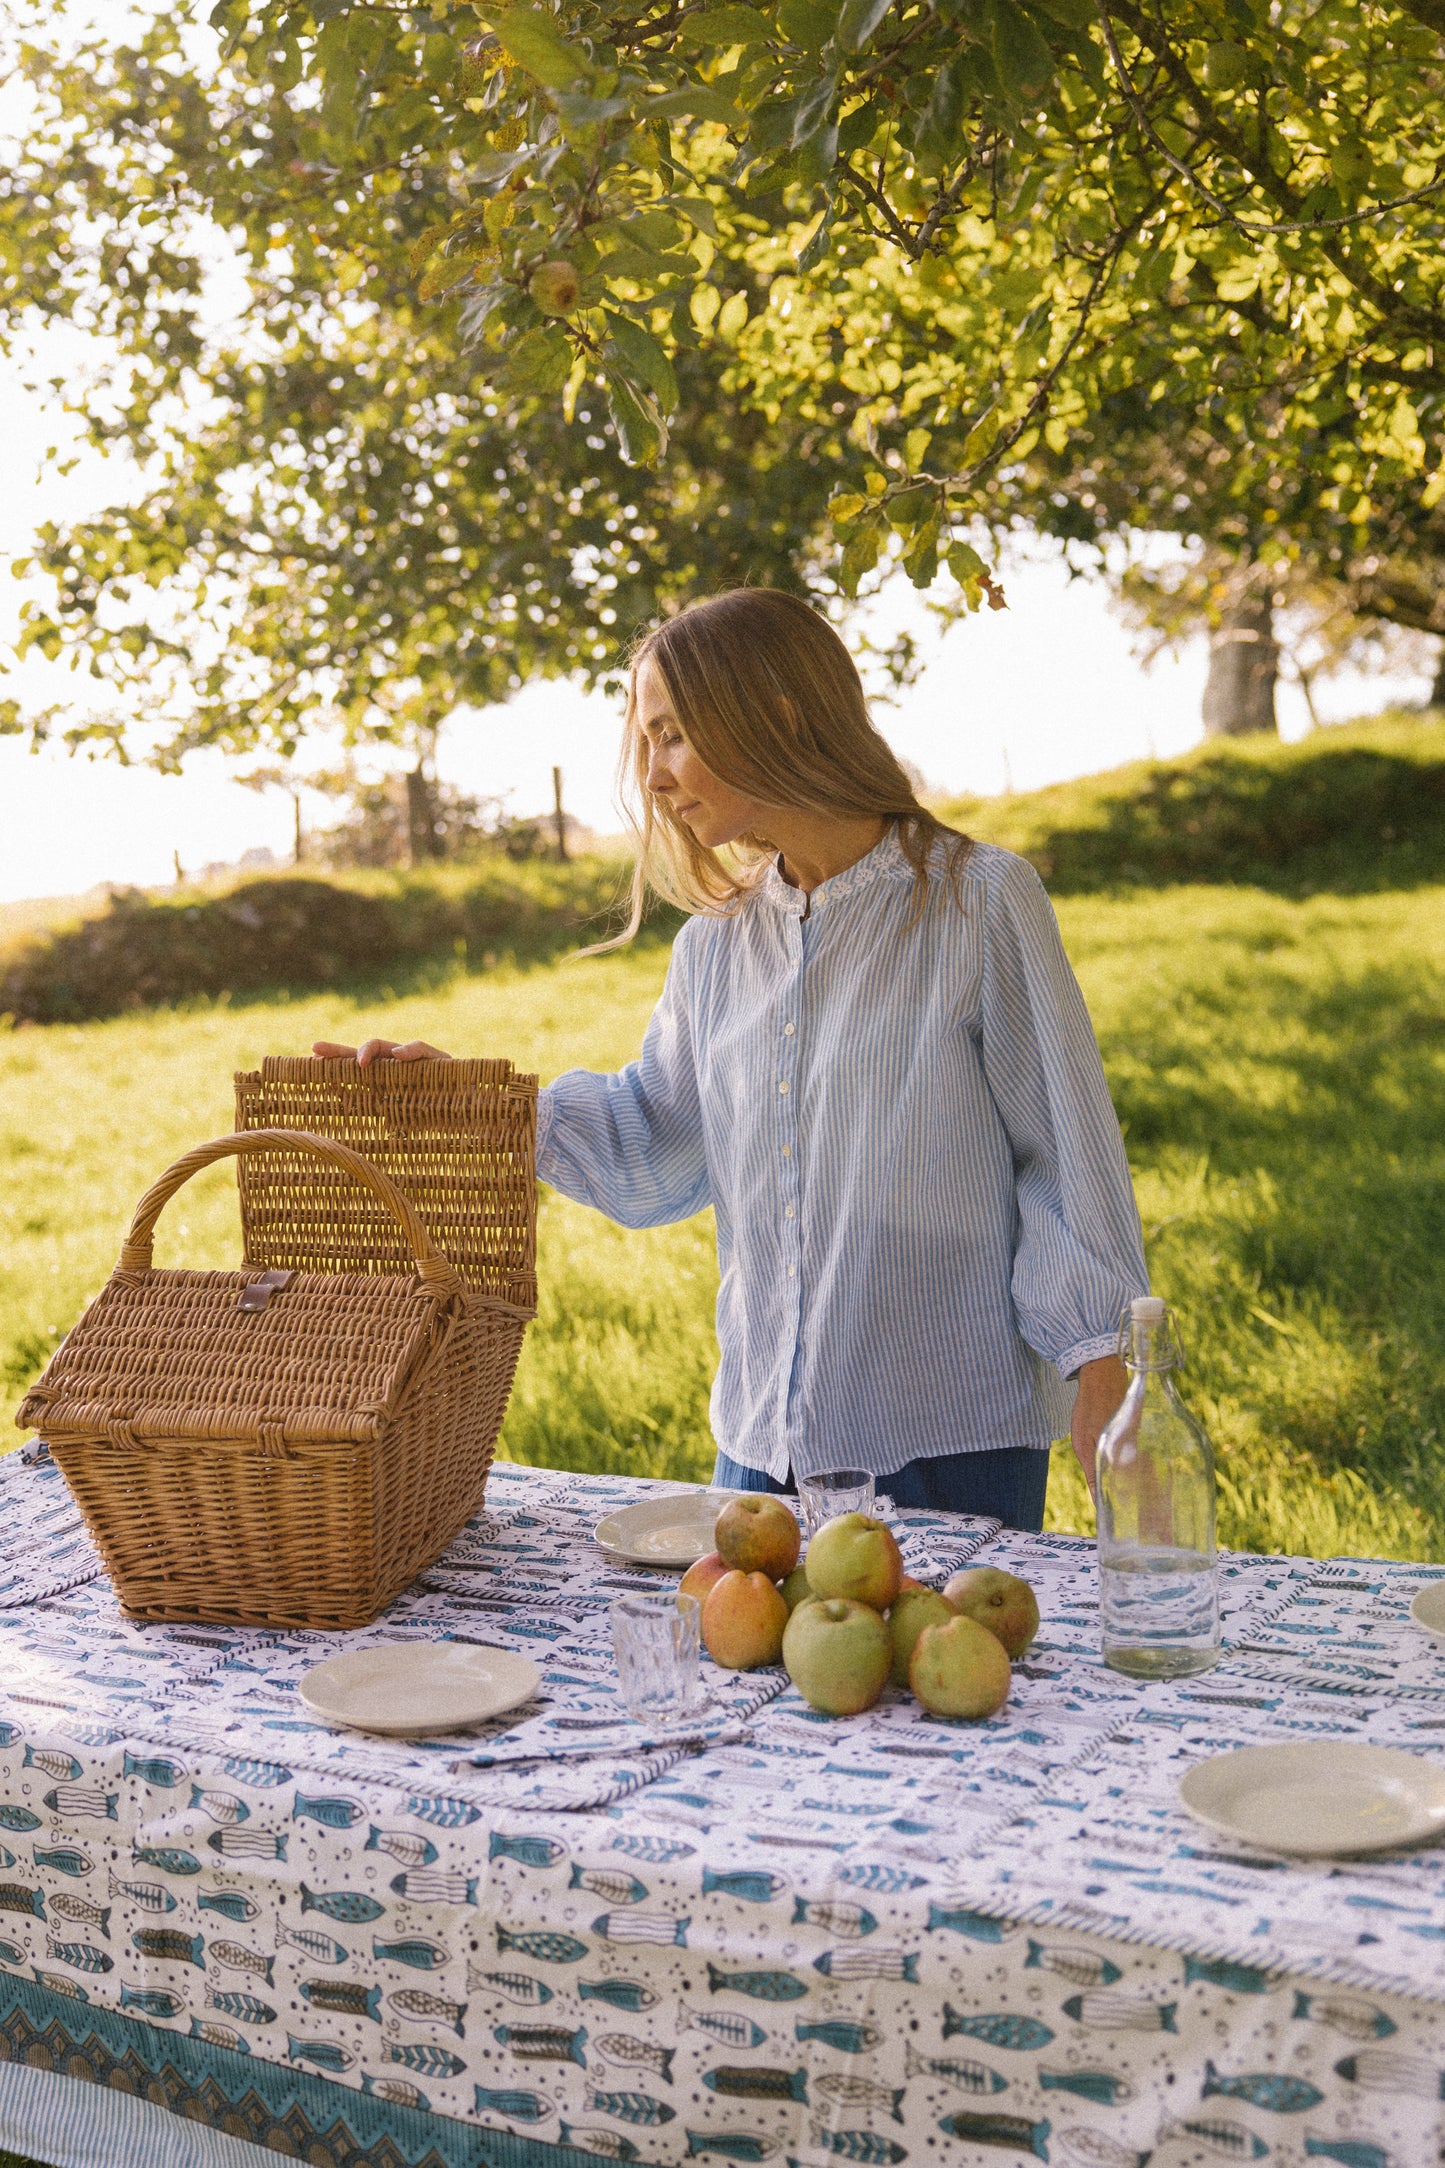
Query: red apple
[960,1669]
[758,1534]
[699,1578]
[837,1655]
[743,1620]
[855,1558]
[913,1609]
[1001,1601]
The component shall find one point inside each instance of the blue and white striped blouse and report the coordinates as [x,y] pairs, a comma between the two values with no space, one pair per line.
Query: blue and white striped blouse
[924,1216]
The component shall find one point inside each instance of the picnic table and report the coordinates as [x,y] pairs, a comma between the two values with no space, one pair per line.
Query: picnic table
[228,1931]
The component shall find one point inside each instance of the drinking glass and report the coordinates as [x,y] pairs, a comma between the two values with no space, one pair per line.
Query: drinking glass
[655,1640]
[832,1491]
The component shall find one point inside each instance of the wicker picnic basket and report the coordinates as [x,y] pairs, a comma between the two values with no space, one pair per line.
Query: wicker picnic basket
[289,1444]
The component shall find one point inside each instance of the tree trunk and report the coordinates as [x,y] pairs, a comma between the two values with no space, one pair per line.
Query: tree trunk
[1243,667]
[558,816]
[1437,690]
[423,829]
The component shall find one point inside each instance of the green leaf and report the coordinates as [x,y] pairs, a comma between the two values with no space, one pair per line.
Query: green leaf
[860,556]
[808,23]
[643,357]
[540,362]
[857,21]
[1022,57]
[640,434]
[848,506]
[530,38]
[696,101]
[964,563]
[729,26]
[580,111]
[812,109]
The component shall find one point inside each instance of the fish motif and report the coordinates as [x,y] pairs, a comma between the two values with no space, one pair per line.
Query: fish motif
[1270,2089]
[840,2089]
[248,2008]
[166,1775]
[1231,2140]
[77,1801]
[543,1944]
[656,1851]
[841,2033]
[399,2091]
[744,2082]
[622,1994]
[165,1858]
[436,2009]
[401,1844]
[444,1813]
[622,2048]
[420,2055]
[1383,2070]
[1349,2152]
[326,2054]
[859,2145]
[53,1763]
[171,1945]
[226,1807]
[527,1851]
[12,1954]
[237,1958]
[1121,2013]
[887,1881]
[331,1813]
[609,2143]
[870,1964]
[1096,2151]
[58,1984]
[978,1926]
[609,1882]
[349,1906]
[544,2043]
[969,2077]
[230,1903]
[755,1887]
[82,1911]
[1104,2086]
[741,2145]
[639,2108]
[18,1819]
[10,1734]
[998,2029]
[219,2036]
[321,1949]
[65,1859]
[248,1843]
[1357,2019]
[421,1955]
[257,1772]
[15,1897]
[348,1998]
[1081,1968]
[770,1986]
[1238,1979]
[149,1895]
[82,1955]
[1015,2132]
[655,1927]
[516,1986]
[152,2001]
[836,1916]
[728,2027]
[435,1886]
[521,2107]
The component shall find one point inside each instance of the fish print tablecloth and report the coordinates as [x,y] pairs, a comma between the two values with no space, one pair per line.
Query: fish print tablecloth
[776,1937]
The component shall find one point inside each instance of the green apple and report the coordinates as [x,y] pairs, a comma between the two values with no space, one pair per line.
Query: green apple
[758,1534]
[1001,1601]
[856,1559]
[742,1622]
[960,1669]
[913,1609]
[797,1588]
[837,1655]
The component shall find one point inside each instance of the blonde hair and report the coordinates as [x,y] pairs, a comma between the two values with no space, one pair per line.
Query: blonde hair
[770,700]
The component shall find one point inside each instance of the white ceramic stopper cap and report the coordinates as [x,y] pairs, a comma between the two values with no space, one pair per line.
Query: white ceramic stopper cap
[1148,1309]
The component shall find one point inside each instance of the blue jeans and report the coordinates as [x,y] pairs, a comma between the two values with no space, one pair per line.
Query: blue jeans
[1007,1483]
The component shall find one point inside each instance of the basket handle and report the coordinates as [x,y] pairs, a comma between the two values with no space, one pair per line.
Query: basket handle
[440,1277]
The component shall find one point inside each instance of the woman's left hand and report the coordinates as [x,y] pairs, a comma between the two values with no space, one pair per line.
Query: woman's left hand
[1102,1385]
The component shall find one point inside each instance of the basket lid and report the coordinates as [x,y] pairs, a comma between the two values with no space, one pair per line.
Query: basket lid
[459,1137]
[171,1354]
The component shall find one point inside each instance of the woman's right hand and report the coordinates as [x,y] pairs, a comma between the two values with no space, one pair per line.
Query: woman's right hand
[379,1050]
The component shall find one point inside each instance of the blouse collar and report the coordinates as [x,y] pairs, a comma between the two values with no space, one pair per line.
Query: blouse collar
[886,860]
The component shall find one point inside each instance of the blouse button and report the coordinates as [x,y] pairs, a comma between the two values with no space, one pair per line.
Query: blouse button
[788,1030]
[784,1085]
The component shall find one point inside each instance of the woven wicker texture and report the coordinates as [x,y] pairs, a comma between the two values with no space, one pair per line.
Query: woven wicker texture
[294,1465]
[458,1137]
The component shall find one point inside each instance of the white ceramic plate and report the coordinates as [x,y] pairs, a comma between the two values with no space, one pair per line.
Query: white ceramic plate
[419,1689]
[1317,1799]
[675,1530]
[1428,1609]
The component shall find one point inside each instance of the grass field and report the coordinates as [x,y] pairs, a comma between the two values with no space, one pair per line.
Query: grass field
[1278,1065]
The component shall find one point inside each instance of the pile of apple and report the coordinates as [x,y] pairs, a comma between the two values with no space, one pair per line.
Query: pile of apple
[851,1621]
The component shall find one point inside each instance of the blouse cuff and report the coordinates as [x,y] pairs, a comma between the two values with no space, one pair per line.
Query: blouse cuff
[1086,1351]
[545,1115]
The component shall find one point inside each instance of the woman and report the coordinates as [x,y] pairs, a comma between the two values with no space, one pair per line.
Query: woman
[872,1059]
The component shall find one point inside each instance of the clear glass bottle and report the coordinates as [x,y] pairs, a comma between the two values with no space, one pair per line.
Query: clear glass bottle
[1158,1581]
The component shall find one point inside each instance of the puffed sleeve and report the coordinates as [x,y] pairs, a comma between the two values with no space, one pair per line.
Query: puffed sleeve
[632,1144]
[1079,1259]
